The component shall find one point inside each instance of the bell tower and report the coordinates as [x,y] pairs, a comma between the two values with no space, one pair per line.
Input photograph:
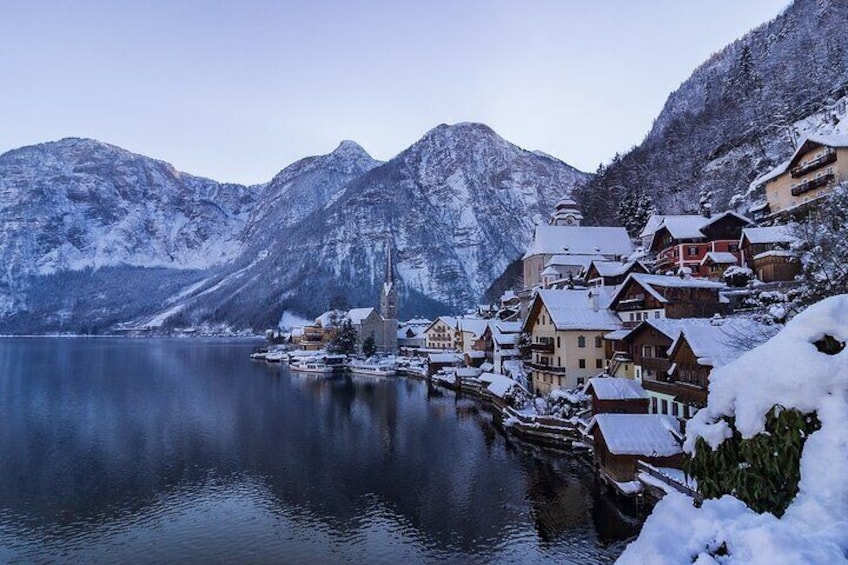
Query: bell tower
[389,295]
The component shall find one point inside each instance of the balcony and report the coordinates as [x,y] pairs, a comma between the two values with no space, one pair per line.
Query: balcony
[658,364]
[805,168]
[546,368]
[542,347]
[812,184]
[635,303]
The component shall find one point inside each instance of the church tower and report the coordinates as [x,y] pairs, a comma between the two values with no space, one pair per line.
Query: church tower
[389,296]
[567,213]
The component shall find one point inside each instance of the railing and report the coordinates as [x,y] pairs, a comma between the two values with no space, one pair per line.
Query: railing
[805,168]
[655,363]
[542,347]
[547,368]
[652,471]
[812,184]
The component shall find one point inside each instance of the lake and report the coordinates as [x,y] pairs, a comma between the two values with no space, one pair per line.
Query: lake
[184,450]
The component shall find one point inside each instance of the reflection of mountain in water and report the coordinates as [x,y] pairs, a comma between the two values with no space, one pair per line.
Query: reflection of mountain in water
[98,430]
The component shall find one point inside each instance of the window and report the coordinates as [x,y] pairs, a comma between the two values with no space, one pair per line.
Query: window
[559,362]
[599,363]
[665,406]
[581,341]
[654,404]
[558,343]
[692,250]
[733,247]
[598,341]
[674,409]
[646,351]
[582,363]
[657,314]
[632,316]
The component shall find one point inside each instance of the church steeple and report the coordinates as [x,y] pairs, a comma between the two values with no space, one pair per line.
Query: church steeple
[567,213]
[389,297]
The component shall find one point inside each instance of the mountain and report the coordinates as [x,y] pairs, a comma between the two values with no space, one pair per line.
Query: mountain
[94,236]
[732,119]
[456,207]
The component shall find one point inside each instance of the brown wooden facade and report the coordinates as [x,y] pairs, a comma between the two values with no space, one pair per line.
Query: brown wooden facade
[623,468]
[681,302]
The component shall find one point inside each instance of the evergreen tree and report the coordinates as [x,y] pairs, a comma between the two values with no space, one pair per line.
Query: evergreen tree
[369,347]
[344,342]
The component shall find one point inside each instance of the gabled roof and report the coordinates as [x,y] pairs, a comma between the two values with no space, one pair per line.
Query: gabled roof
[772,234]
[719,258]
[614,388]
[638,434]
[719,342]
[580,240]
[655,221]
[572,310]
[474,325]
[447,320]
[357,315]
[651,284]
[693,226]
[614,268]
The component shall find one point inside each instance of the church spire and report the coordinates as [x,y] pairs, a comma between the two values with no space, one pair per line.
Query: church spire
[389,296]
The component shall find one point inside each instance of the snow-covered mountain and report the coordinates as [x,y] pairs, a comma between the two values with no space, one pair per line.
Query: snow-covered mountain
[733,118]
[94,235]
[457,207]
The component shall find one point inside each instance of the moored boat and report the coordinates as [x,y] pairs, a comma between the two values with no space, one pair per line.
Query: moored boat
[375,367]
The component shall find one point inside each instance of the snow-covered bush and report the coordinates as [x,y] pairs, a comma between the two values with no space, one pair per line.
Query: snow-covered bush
[804,370]
[737,276]
[562,403]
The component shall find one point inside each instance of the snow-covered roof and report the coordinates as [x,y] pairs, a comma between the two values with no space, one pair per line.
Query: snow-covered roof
[718,342]
[612,268]
[356,315]
[572,310]
[774,253]
[444,358]
[692,226]
[771,234]
[325,320]
[638,434]
[563,260]
[550,271]
[720,258]
[652,282]
[498,385]
[582,240]
[476,326]
[487,367]
[617,335]
[614,388]
[655,221]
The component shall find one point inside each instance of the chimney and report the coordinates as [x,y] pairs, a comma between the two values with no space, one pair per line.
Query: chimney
[593,300]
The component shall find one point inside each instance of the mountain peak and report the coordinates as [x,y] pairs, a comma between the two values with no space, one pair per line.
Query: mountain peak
[348,147]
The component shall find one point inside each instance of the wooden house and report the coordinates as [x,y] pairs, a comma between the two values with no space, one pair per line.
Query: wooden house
[611,273]
[768,253]
[643,297]
[611,395]
[622,440]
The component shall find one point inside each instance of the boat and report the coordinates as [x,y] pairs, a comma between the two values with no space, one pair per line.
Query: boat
[375,367]
[259,353]
[320,364]
[277,356]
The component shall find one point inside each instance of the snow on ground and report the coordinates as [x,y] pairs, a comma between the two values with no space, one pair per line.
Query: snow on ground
[788,370]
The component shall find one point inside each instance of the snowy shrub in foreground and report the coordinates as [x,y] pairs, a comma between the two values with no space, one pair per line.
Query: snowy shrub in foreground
[803,369]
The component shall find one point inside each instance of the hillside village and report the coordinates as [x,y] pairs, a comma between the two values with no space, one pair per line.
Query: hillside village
[609,345]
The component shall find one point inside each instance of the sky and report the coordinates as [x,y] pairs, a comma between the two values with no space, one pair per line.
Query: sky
[235,91]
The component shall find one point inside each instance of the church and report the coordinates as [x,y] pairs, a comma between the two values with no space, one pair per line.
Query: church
[382,325]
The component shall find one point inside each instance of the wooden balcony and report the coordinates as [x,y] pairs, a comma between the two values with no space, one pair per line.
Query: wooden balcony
[658,364]
[546,368]
[805,168]
[812,184]
[542,347]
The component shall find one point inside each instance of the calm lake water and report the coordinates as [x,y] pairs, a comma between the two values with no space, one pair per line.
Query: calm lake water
[164,451]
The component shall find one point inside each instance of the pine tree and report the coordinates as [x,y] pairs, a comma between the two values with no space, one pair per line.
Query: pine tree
[344,342]
[369,347]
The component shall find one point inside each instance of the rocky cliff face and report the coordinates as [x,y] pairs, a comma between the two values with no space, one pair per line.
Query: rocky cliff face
[86,225]
[734,118]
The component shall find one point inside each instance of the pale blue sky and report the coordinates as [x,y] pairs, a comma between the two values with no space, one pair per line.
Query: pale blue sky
[237,90]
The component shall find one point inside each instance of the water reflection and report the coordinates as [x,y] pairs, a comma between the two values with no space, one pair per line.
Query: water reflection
[111,445]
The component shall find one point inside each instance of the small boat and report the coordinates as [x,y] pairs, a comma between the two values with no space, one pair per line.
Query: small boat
[277,356]
[377,368]
[312,366]
[260,353]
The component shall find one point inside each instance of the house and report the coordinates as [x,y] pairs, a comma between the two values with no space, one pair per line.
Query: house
[611,395]
[642,297]
[653,223]
[611,273]
[767,252]
[569,249]
[817,165]
[501,343]
[439,361]
[682,242]
[566,328]
[645,348]
[441,333]
[316,335]
[411,334]
[470,334]
[699,347]
[368,323]
[621,440]
[715,263]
